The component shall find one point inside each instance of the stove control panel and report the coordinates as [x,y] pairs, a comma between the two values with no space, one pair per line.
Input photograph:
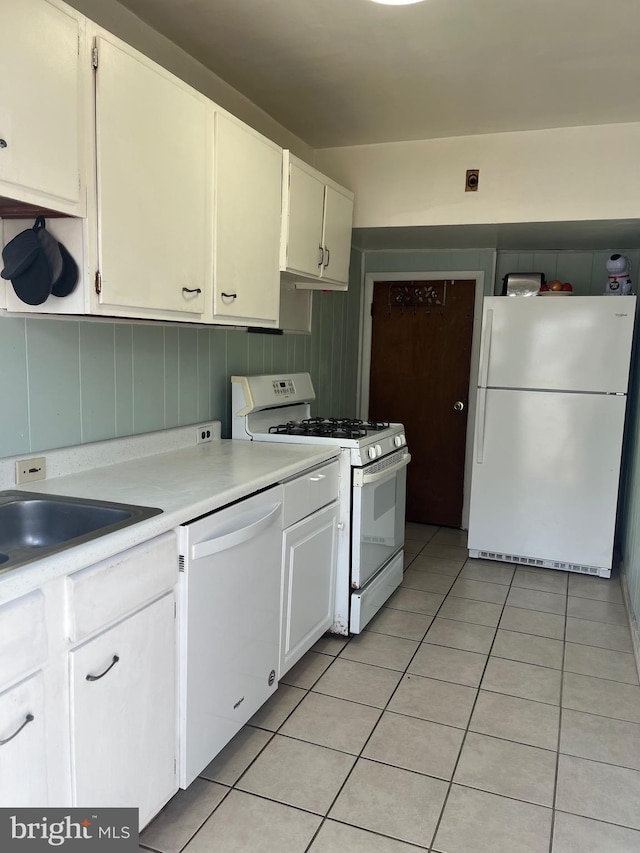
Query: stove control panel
[283,387]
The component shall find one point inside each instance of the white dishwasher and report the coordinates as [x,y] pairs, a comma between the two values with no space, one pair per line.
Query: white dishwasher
[229,593]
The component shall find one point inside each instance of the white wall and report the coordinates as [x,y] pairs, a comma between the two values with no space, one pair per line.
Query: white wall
[534,176]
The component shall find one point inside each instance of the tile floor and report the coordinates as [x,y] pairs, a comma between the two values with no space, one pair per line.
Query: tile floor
[486,709]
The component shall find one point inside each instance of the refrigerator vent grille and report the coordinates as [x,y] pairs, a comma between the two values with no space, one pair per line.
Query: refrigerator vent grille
[532,561]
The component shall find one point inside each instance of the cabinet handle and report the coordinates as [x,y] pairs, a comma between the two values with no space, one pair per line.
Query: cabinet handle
[102,674]
[27,719]
[229,295]
[320,262]
[326,264]
[192,290]
[3,144]
[318,477]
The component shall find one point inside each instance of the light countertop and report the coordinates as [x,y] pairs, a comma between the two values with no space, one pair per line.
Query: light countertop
[185,483]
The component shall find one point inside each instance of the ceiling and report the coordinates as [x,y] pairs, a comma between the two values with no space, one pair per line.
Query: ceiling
[352,72]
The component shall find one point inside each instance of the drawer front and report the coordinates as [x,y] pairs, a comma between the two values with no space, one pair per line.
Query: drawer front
[310,492]
[107,591]
[23,640]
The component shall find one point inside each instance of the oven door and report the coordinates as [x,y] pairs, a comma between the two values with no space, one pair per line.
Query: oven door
[377,524]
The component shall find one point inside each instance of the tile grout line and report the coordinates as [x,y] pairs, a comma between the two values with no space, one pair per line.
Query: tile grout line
[555,779]
[382,711]
[466,730]
[385,708]
[234,787]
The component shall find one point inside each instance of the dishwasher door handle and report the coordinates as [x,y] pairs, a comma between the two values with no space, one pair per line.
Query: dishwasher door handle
[236,537]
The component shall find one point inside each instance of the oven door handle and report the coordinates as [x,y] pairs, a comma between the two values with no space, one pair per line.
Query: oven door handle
[360,478]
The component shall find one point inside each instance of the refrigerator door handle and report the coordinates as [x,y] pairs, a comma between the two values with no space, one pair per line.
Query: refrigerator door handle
[486,348]
[482,406]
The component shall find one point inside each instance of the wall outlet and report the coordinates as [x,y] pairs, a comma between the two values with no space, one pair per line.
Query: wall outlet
[204,433]
[31,469]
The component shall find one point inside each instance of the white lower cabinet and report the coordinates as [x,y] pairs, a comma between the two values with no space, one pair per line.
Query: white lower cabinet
[308,583]
[123,713]
[23,757]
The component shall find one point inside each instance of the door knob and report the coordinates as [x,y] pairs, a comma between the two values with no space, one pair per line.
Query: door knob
[458,406]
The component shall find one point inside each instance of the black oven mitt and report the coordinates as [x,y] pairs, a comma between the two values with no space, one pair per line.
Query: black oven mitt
[38,265]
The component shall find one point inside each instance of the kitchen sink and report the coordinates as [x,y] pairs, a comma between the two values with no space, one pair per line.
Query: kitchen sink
[36,525]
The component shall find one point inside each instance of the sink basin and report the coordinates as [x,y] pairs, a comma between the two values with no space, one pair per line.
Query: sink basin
[37,525]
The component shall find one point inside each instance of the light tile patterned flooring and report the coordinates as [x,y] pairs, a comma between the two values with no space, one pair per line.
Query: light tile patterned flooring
[486,709]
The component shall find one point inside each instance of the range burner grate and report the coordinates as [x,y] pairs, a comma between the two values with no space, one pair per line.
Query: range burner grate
[321,427]
[348,423]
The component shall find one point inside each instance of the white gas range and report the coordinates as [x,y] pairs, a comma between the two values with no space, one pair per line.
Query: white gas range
[373,462]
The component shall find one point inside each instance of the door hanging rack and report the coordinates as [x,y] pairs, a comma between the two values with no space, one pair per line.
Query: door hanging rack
[416,295]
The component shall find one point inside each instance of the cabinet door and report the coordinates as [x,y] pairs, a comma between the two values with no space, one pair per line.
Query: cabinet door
[308,584]
[40,97]
[123,713]
[153,135]
[304,227]
[248,181]
[23,764]
[338,218]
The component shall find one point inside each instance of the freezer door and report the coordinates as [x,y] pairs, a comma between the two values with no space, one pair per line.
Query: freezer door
[577,343]
[545,475]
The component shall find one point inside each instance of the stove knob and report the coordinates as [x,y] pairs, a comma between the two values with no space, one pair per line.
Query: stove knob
[372,453]
[378,450]
[397,440]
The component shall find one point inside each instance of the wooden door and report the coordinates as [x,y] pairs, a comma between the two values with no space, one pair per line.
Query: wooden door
[420,362]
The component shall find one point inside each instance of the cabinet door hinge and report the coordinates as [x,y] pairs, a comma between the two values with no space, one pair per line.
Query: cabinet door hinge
[94,56]
[98,282]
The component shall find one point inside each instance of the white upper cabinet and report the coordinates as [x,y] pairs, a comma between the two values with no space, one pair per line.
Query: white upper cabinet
[247,191]
[175,207]
[338,219]
[153,138]
[317,217]
[303,214]
[41,87]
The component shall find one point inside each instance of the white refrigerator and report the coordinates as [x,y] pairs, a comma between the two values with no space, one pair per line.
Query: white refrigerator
[552,394]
